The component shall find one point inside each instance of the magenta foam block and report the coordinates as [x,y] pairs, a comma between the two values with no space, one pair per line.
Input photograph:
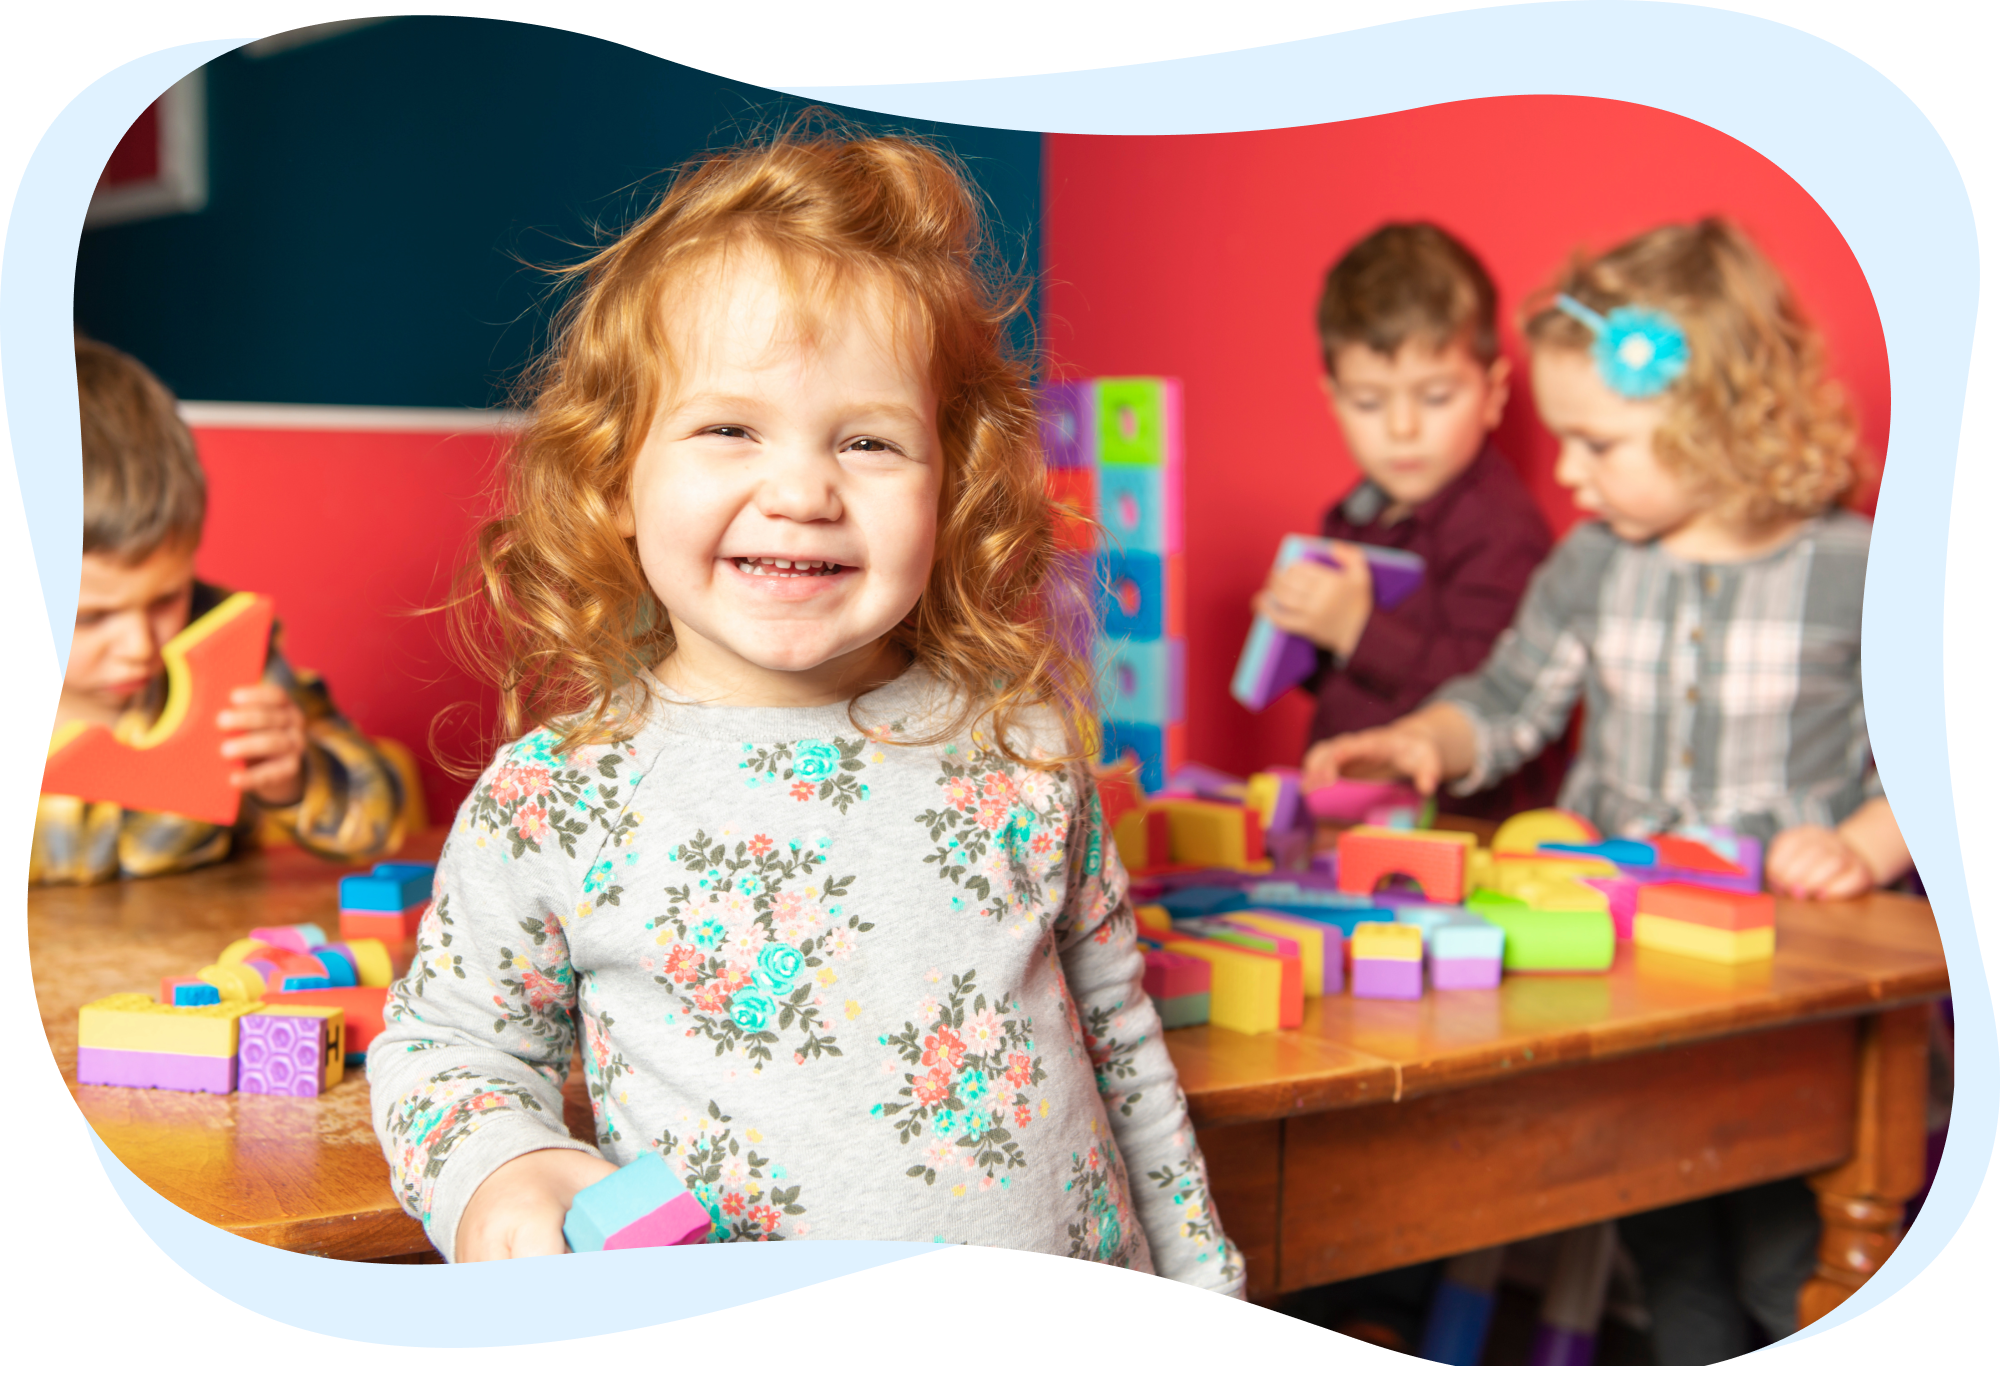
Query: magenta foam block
[136,1068]
[1169,974]
[1465,974]
[281,1054]
[682,1222]
[1623,894]
[1397,979]
[1348,799]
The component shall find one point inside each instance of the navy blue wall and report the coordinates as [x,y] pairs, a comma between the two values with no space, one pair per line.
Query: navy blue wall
[373,195]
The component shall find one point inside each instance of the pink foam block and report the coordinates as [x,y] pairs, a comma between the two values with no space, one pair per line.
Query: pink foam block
[681,1222]
[1169,974]
[1465,974]
[1349,799]
[1398,979]
[137,1068]
[1623,893]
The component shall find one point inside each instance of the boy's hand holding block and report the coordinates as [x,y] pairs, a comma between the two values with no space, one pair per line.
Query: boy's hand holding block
[1274,661]
[1700,922]
[643,1204]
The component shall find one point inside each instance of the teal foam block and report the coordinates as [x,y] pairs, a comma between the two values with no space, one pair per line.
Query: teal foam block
[617,1200]
[1177,1012]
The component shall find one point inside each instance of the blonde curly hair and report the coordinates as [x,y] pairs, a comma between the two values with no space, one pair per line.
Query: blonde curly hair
[1754,417]
[554,607]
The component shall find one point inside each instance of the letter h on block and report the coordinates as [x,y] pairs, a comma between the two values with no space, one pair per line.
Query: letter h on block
[293,1051]
[643,1204]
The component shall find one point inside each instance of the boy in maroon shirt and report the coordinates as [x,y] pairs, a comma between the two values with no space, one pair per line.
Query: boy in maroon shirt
[1416,380]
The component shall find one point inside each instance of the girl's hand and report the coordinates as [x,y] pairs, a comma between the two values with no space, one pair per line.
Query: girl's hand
[1398,749]
[520,1207]
[271,745]
[1328,607]
[1818,864]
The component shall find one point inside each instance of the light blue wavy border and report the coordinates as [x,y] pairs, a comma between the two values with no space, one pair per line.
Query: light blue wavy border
[1838,127]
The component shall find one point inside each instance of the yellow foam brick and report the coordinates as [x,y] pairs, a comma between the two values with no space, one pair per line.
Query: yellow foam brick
[239,949]
[1479,870]
[372,963]
[1260,793]
[133,1020]
[1372,940]
[1244,989]
[1208,833]
[1312,945]
[1703,941]
[1556,893]
[234,981]
[1529,830]
[1153,919]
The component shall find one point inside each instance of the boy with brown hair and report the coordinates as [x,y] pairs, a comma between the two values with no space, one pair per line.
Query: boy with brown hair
[1416,381]
[307,770]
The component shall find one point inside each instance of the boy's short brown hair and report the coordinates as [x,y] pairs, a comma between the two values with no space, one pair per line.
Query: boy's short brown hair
[142,484]
[1408,281]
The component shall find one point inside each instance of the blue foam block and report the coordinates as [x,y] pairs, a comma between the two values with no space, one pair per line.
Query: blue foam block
[390,887]
[1147,742]
[1142,682]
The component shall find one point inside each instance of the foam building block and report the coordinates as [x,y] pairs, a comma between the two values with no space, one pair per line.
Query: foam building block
[1701,922]
[1142,681]
[339,965]
[129,1040]
[291,1051]
[1145,838]
[1183,902]
[1153,920]
[386,926]
[176,765]
[1320,947]
[1621,852]
[1275,795]
[1178,1013]
[1621,894]
[1432,858]
[1466,954]
[1547,941]
[372,962]
[643,1204]
[234,981]
[1169,974]
[298,938]
[143,1068]
[188,991]
[1210,833]
[1388,962]
[1281,947]
[1346,800]
[387,887]
[1246,991]
[1529,830]
[1118,794]
[1274,661]
[361,1010]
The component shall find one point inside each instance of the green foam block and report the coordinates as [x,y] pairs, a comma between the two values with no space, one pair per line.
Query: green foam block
[1547,941]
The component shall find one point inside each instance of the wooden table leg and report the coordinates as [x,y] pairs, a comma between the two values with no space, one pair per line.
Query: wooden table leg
[1861,1202]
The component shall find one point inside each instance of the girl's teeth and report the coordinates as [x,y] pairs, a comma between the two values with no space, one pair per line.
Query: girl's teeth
[771,565]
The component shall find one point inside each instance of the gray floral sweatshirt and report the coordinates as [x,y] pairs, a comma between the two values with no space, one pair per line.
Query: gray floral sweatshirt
[850,988]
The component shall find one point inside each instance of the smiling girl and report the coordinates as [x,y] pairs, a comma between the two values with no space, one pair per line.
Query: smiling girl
[797,844]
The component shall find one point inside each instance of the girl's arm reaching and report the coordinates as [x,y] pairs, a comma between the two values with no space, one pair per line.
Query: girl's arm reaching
[1864,852]
[1142,1094]
[468,1075]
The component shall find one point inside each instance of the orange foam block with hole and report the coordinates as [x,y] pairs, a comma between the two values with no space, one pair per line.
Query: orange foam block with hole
[1432,858]
[177,765]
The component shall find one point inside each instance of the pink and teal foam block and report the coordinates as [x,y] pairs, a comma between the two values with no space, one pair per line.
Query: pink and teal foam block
[643,1204]
[1273,661]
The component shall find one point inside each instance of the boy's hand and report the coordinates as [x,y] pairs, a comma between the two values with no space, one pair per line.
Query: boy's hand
[271,744]
[1817,864]
[1393,750]
[520,1207]
[1328,607]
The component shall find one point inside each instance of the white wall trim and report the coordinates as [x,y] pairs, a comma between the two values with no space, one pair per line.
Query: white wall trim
[328,417]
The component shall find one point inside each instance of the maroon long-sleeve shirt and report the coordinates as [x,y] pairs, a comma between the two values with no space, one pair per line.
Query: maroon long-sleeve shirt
[1481,537]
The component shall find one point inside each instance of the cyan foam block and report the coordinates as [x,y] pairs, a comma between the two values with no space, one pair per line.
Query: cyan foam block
[643,1204]
[1134,502]
[1142,682]
[388,886]
[1132,594]
[1465,937]
[1147,742]
[339,964]
[1623,852]
[1069,424]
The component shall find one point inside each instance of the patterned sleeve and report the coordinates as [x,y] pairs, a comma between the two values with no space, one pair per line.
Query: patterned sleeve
[469,1072]
[1520,700]
[353,798]
[1096,938]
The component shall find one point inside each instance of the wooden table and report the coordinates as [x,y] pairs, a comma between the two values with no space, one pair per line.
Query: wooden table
[1381,1133]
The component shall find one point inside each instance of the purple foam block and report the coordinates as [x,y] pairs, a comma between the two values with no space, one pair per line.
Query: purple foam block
[281,1054]
[1558,1346]
[681,1222]
[1273,661]
[1397,979]
[139,1068]
[1465,974]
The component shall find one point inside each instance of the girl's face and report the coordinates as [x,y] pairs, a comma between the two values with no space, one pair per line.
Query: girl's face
[1607,461]
[785,500]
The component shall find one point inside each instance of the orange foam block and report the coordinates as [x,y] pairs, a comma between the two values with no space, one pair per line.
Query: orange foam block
[1432,858]
[176,765]
[1709,907]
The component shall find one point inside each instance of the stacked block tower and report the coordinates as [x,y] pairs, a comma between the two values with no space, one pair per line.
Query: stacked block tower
[1114,451]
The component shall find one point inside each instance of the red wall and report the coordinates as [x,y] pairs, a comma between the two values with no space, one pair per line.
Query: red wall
[351,532]
[1201,256]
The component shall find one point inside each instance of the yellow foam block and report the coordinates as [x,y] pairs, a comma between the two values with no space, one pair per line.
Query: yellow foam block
[1208,832]
[235,981]
[1703,941]
[1311,939]
[1245,989]
[1372,940]
[1260,793]
[1529,830]
[1129,833]
[372,963]
[133,1020]
[1555,893]
[1479,871]
[239,949]
[1153,919]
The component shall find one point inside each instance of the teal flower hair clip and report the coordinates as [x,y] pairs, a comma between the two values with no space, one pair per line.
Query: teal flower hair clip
[1640,351]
